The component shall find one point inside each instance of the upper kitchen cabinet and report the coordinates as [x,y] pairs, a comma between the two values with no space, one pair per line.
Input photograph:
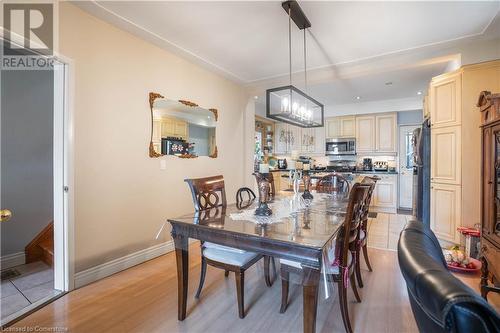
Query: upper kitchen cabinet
[341,127]
[365,134]
[313,140]
[445,100]
[287,138]
[385,133]
[333,129]
[376,133]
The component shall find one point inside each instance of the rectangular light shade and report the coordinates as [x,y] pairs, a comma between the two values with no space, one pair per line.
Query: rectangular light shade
[291,105]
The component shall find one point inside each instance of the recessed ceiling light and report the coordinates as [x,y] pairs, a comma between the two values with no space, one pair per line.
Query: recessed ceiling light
[256,97]
[358,97]
[419,92]
[388,83]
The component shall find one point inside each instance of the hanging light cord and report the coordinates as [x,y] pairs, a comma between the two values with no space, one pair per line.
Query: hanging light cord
[305,60]
[290,41]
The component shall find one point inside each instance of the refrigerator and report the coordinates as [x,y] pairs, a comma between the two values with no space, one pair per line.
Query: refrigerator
[422,172]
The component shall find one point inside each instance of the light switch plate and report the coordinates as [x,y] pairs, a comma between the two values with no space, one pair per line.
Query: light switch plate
[163,164]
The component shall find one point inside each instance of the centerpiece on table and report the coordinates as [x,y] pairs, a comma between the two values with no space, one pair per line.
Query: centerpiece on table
[263,185]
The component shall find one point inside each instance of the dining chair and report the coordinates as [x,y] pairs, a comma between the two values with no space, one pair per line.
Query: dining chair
[333,183]
[363,230]
[341,263]
[208,195]
[244,194]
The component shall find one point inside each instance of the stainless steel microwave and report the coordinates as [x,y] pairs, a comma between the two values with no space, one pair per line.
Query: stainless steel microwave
[341,146]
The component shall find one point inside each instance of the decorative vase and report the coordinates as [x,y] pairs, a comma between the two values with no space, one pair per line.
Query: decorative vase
[307,183]
[264,189]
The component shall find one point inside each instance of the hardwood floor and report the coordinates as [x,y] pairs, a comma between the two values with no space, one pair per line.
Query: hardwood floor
[144,299]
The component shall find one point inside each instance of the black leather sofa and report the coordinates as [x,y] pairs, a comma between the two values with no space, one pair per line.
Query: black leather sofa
[439,301]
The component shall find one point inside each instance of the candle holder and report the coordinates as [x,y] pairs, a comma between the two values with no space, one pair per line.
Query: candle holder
[307,183]
[264,189]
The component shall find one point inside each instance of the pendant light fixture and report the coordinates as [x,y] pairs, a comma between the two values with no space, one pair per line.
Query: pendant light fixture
[288,103]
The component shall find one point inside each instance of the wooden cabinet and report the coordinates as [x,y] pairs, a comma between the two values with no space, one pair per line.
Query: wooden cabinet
[341,127]
[490,190]
[365,134]
[288,139]
[445,100]
[385,193]
[333,129]
[181,129]
[174,128]
[446,155]
[385,133]
[348,126]
[446,211]
[376,133]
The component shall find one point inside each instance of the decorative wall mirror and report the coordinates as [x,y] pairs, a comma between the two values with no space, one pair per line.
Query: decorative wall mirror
[181,128]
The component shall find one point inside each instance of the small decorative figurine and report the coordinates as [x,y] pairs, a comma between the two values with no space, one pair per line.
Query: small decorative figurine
[307,183]
[264,189]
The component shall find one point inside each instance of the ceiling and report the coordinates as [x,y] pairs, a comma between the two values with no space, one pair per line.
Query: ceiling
[248,41]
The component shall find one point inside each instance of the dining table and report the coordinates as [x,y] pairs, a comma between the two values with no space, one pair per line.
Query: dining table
[298,229]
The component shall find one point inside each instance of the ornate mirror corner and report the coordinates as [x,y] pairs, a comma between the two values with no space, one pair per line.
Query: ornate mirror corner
[181,128]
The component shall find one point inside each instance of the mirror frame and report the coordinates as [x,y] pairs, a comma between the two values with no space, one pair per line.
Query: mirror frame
[152,153]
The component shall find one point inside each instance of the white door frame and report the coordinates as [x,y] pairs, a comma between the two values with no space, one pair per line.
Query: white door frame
[400,157]
[63,175]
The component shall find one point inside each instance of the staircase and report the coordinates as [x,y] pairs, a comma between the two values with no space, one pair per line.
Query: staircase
[42,246]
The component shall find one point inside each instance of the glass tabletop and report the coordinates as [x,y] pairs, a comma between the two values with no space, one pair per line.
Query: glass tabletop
[311,223]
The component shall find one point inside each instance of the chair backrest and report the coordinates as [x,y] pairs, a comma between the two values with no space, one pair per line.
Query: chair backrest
[333,183]
[208,192]
[349,232]
[371,181]
[243,196]
[440,302]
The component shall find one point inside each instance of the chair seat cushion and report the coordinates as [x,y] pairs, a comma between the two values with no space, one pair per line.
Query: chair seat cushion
[222,247]
[330,268]
[228,257]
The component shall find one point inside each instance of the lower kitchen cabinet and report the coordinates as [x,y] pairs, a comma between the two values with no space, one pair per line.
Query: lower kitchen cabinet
[446,211]
[384,196]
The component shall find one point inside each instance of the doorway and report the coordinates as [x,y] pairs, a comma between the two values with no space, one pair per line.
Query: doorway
[34,178]
[406,167]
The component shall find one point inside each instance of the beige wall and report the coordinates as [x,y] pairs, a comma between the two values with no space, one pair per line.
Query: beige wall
[121,195]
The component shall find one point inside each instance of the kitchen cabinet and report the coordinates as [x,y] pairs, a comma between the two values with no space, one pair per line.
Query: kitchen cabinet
[455,146]
[384,197]
[348,126]
[385,192]
[341,127]
[385,133]
[446,211]
[333,127]
[313,140]
[376,133]
[288,139]
[446,155]
[171,127]
[365,133]
[445,98]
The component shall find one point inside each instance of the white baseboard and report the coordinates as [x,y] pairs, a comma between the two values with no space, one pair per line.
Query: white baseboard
[114,266]
[12,260]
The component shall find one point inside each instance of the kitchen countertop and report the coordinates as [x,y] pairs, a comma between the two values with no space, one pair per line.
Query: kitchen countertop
[357,171]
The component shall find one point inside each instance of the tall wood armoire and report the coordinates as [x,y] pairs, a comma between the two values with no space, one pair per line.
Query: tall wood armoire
[490,191]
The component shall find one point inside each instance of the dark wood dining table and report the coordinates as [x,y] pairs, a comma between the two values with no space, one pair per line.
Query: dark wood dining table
[302,236]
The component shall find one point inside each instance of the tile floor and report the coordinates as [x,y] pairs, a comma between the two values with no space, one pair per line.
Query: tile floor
[35,282]
[383,230]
